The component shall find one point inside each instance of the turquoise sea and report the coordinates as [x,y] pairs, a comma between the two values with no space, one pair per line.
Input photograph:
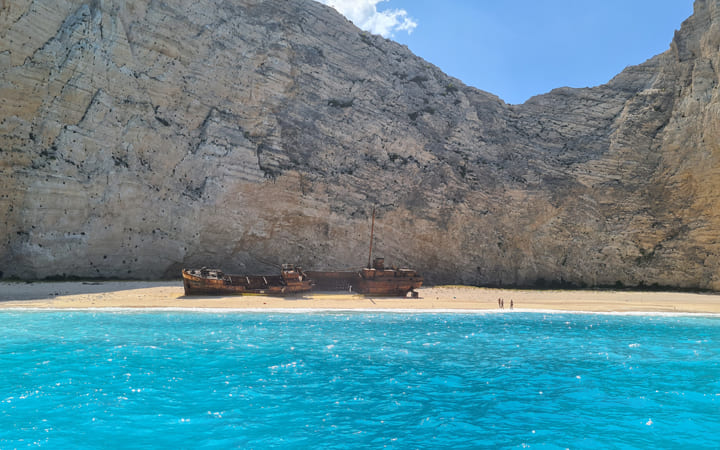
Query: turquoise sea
[178,379]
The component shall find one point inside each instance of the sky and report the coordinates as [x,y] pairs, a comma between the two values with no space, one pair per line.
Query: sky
[516,49]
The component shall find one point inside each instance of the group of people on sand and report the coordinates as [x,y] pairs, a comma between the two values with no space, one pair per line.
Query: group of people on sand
[501,303]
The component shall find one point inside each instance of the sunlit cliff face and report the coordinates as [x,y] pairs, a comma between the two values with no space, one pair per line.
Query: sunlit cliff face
[139,138]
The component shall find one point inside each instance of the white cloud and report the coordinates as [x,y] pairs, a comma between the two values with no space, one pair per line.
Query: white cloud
[365,15]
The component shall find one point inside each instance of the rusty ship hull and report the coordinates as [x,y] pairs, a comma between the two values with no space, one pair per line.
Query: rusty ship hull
[215,282]
[377,280]
[333,280]
[387,282]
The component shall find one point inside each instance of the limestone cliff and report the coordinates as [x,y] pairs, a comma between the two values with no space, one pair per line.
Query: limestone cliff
[137,137]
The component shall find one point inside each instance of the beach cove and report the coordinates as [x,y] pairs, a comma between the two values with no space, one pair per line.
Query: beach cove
[170,294]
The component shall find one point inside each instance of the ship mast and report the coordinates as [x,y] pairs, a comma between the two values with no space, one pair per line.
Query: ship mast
[372,230]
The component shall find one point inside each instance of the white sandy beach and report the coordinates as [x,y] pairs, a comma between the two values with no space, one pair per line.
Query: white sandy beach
[170,294]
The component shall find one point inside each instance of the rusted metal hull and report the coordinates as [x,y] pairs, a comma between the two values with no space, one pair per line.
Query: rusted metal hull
[383,282]
[215,282]
[388,287]
[333,280]
[389,282]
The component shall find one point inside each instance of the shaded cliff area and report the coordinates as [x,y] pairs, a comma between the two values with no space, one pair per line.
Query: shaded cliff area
[139,137]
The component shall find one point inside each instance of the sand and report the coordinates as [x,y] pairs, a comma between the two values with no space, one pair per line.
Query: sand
[170,294]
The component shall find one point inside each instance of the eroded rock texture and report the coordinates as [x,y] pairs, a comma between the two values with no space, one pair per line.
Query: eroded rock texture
[137,137]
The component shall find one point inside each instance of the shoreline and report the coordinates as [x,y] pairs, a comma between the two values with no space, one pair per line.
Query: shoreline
[170,295]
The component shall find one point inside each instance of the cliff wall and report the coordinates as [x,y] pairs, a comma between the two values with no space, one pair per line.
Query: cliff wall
[139,137]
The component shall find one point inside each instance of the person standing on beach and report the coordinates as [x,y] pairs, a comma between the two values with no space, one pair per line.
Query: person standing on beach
[511,304]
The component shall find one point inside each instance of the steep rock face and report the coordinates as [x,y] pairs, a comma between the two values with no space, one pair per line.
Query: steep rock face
[138,137]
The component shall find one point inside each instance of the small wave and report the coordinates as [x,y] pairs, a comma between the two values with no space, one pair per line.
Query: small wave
[215,310]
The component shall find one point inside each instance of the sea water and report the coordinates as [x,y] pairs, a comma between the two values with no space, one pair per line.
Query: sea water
[172,379]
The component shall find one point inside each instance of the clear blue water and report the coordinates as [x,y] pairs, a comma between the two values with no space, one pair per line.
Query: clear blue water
[347,380]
